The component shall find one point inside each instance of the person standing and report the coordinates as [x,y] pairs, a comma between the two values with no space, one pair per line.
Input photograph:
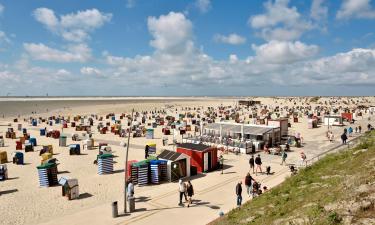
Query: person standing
[239,193]
[182,191]
[283,157]
[252,163]
[146,151]
[359,129]
[130,191]
[258,162]
[344,138]
[190,192]
[248,185]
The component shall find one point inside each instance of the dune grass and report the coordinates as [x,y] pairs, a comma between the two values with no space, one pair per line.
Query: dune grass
[317,194]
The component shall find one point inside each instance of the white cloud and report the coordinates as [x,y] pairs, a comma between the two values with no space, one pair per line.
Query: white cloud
[203,5]
[90,71]
[74,26]
[356,9]
[172,33]
[46,17]
[233,39]
[277,52]
[280,22]
[1,9]
[275,63]
[318,11]
[73,53]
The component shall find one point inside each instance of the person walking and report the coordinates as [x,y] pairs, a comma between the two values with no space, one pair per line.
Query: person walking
[330,136]
[350,131]
[221,160]
[182,191]
[283,157]
[252,163]
[258,162]
[190,193]
[239,193]
[248,185]
[359,129]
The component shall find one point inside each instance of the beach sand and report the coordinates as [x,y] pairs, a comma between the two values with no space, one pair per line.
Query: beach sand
[23,202]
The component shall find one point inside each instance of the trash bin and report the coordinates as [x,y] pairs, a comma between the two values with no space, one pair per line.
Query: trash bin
[114,210]
[131,202]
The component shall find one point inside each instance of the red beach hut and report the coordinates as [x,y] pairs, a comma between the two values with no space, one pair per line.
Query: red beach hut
[203,157]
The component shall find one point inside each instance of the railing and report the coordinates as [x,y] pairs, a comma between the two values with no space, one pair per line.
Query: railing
[338,148]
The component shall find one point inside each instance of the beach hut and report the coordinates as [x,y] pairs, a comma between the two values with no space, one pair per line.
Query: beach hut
[47,174]
[140,172]
[18,158]
[312,123]
[74,149]
[70,188]
[45,157]
[42,132]
[10,133]
[89,143]
[3,157]
[158,170]
[18,145]
[32,141]
[203,157]
[105,164]
[150,133]
[178,164]
[62,141]
[3,172]
[29,147]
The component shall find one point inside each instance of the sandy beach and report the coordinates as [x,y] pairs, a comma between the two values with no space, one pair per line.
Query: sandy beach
[23,201]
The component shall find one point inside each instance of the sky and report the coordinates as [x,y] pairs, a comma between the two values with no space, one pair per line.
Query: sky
[187,48]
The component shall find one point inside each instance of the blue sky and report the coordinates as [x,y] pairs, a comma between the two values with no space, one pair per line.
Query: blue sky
[198,47]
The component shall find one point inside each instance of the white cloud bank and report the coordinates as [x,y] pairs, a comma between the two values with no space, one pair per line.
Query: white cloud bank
[73,53]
